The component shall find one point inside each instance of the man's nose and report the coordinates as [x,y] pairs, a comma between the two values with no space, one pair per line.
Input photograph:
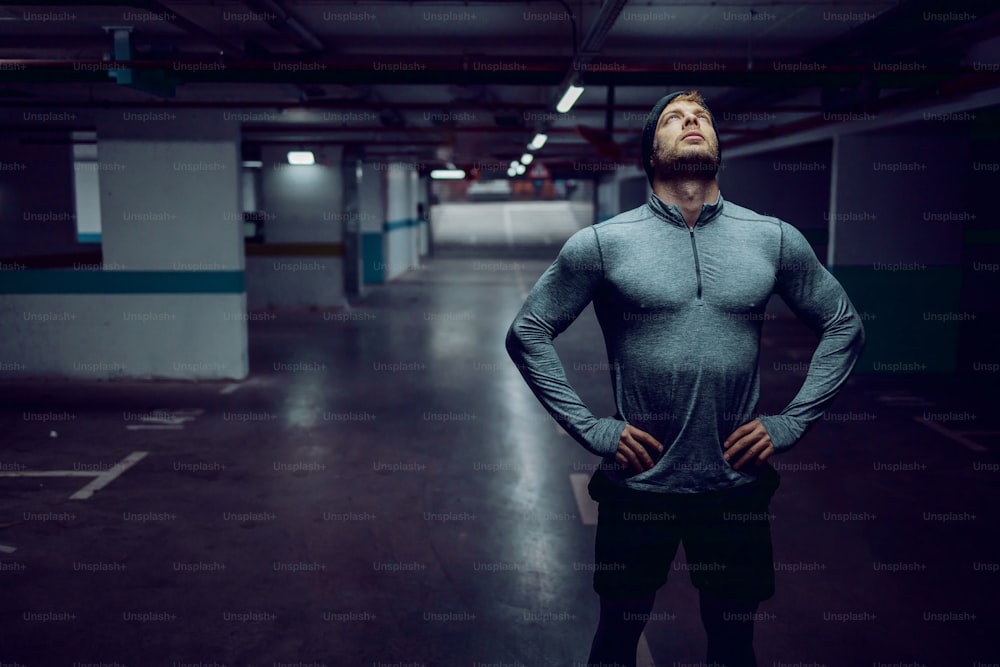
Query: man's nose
[690,118]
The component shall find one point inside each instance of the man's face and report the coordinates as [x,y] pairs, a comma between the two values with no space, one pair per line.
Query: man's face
[685,144]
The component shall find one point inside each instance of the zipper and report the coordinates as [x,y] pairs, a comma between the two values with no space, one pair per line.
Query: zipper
[697,264]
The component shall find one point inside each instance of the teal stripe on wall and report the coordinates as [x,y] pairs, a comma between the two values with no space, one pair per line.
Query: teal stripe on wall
[66,281]
[400,224]
[372,258]
[89,237]
[903,313]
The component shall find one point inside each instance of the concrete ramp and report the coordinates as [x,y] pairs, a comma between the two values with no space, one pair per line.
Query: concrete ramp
[517,228]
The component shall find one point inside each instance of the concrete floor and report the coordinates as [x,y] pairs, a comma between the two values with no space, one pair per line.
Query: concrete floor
[384,490]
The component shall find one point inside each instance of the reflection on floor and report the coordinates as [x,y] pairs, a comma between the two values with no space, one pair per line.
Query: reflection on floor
[385,490]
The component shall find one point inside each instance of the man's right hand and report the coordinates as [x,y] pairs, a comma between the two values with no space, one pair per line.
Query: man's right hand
[636,449]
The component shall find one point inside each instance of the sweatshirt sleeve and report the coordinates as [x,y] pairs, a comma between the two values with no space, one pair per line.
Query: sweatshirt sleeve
[556,300]
[818,299]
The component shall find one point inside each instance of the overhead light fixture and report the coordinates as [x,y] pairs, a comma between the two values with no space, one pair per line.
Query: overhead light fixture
[447,174]
[527,158]
[538,141]
[569,98]
[301,157]
[520,169]
[513,164]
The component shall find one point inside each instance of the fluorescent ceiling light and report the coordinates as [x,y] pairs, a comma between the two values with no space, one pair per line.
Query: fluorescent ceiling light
[253,164]
[512,172]
[301,157]
[538,141]
[527,158]
[448,174]
[520,169]
[569,98]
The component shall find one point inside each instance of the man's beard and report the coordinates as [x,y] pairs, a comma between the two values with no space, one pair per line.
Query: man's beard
[673,165]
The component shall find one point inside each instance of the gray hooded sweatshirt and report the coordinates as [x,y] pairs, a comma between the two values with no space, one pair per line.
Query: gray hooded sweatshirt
[682,310]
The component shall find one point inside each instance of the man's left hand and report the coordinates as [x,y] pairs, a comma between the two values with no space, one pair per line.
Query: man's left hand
[749,443]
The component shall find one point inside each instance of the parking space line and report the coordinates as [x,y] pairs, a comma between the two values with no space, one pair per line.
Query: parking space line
[952,435]
[108,476]
[584,503]
[233,386]
[48,473]
[643,658]
[101,479]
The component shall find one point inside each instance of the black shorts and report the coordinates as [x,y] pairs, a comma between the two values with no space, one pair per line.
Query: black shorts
[726,536]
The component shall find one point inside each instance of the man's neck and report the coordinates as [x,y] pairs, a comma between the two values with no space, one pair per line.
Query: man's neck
[688,195]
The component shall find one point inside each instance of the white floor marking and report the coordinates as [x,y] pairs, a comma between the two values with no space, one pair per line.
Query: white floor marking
[901,398]
[957,437]
[584,503]
[230,388]
[101,479]
[4,549]
[48,473]
[166,420]
[108,476]
[508,225]
[643,658]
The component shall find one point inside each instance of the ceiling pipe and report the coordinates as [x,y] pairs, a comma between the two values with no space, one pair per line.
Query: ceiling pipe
[285,23]
[320,104]
[593,42]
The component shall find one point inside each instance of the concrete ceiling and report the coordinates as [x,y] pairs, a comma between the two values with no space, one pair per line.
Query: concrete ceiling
[473,81]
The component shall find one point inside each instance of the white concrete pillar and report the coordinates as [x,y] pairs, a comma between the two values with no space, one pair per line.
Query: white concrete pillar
[171,226]
[399,225]
[169,299]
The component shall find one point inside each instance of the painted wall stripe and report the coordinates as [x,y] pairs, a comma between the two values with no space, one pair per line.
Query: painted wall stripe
[373,256]
[393,225]
[68,281]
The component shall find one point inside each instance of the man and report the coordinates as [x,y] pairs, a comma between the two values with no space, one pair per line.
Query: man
[679,286]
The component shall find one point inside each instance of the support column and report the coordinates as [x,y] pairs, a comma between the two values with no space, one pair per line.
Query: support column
[896,245]
[301,263]
[372,215]
[171,300]
[423,239]
[352,175]
[400,223]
